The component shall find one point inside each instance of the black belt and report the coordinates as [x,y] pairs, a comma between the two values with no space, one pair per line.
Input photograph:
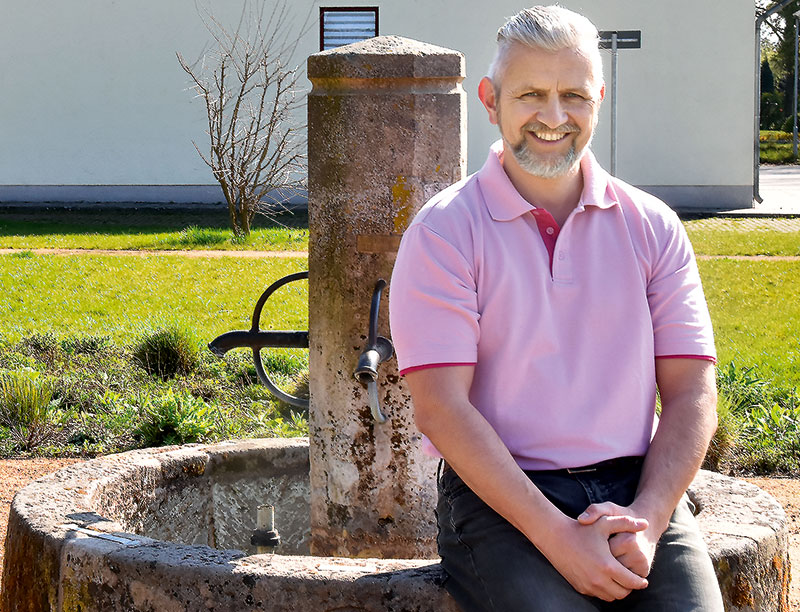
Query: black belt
[624,463]
[608,464]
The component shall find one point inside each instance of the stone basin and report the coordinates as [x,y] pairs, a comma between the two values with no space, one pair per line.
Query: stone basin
[168,529]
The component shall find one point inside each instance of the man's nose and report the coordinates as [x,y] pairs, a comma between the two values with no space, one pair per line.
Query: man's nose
[552,114]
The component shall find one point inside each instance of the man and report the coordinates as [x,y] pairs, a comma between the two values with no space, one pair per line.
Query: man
[535,308]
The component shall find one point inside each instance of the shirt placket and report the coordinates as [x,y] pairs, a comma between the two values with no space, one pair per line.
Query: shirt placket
[556,244]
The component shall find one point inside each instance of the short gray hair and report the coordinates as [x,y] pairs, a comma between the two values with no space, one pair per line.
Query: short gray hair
[547,27]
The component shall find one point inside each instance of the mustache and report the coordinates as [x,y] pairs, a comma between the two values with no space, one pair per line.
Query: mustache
[536,126]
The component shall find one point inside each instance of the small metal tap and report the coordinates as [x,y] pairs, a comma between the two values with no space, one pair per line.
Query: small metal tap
[378,350]
[265,538]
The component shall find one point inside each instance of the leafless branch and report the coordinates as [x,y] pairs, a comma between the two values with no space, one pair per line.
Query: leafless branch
[256,145]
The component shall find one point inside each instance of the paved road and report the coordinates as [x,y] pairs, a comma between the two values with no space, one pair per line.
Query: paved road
[780,189]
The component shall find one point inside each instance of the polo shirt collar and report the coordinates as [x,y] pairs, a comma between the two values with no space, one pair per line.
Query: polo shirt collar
[597,188]
[505,203]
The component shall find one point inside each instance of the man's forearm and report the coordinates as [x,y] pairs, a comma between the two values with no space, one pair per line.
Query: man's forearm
[479,457]
[688,421]
[580,553]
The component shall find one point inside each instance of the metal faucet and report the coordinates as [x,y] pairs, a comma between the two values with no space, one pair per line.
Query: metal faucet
[378,350]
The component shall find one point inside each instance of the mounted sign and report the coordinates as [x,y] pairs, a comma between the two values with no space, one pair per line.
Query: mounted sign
[615,40]
[626,39]
[344,25]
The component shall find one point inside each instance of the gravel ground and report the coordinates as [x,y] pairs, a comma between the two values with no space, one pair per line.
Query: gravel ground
[16,473]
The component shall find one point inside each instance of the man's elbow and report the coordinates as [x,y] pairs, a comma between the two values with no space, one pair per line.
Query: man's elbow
[425,418]
[711,419]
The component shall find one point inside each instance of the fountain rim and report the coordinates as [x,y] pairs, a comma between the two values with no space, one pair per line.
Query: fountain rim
[739,521]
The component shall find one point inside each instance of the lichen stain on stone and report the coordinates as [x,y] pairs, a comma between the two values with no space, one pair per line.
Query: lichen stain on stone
[338,514]
[403,198]
[195,468]
[783,567]
[740,592]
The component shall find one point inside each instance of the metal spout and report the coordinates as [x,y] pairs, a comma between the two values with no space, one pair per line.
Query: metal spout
[378,350]
[265,538]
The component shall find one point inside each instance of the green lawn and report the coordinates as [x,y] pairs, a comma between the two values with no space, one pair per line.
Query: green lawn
[116,295]
[756,315]
[147,230]
[776,147]
[720,236]
[56,311]
[776,153]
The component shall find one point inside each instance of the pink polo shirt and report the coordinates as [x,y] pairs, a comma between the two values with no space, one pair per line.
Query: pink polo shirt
[562,324]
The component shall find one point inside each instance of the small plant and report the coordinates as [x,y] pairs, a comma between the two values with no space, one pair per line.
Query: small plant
[167,352]
[298,388]
[201,236]
[768,421]
[173,419]
[27,409]
[40,344]
[86,345]
[776,135]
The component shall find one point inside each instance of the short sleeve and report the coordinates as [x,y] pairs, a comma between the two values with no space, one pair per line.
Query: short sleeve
[681,321]
[432,302]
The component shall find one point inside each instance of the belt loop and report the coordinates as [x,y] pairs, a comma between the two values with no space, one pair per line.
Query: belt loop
[583,470]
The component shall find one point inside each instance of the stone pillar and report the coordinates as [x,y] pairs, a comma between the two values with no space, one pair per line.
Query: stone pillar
[386,131]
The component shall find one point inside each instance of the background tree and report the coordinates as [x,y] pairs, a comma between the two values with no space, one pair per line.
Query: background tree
[251,94]
[771,102]
[778,50]
[767,78]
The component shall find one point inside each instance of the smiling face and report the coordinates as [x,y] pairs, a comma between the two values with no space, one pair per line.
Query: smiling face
[546,105]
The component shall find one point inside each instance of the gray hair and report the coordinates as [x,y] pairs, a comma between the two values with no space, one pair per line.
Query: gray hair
[547,27]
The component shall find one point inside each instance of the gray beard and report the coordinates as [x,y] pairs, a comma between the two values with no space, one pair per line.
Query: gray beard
[542,167]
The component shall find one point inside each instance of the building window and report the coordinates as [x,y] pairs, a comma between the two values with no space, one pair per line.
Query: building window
[342,26]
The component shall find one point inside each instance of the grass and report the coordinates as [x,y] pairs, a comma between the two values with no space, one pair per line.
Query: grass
[756,314]
[104,401]
[79,324]
[118,296]
[73,323]
[717,236]
[776,153]
[147,230]
[776,147]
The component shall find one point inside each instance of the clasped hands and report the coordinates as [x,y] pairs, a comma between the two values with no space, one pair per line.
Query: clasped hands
[607,552]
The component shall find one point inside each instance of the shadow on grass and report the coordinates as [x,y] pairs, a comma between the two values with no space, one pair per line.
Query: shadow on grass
[117,221]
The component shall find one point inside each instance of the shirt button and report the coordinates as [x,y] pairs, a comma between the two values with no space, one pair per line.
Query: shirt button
[561,256]
[550,231]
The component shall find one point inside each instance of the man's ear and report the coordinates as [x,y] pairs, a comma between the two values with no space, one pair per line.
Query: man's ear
[602,92]
[486,93]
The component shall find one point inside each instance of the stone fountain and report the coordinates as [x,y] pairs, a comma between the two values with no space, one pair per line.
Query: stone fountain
[170,529]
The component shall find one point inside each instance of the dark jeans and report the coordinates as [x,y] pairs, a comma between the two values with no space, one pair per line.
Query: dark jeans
[492,566]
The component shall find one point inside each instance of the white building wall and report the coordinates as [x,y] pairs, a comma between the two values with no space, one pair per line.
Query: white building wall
[92,93]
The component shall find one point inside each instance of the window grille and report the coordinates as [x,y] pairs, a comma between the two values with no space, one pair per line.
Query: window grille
[342,26]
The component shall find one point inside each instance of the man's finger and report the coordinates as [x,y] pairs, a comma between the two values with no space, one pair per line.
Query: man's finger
[622,543]
[619,524]
[627,579]
[595,511]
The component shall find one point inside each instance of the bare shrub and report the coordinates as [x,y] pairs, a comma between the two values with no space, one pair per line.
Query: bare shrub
[257,145]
